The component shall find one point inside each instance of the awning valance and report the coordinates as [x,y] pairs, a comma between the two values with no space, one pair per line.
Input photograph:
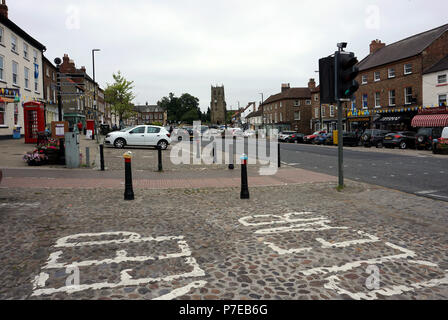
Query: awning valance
[390,119]
[430,120]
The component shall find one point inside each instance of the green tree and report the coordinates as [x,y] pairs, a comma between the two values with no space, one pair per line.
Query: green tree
[185,108]
[120,96]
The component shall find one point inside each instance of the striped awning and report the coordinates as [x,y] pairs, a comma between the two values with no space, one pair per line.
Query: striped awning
[430,120]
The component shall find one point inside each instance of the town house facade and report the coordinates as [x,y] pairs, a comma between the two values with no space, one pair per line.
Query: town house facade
[20,73]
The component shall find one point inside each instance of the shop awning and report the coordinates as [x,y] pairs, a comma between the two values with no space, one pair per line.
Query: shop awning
[430,120]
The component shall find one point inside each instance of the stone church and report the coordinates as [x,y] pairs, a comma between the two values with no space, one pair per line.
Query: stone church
[218,106]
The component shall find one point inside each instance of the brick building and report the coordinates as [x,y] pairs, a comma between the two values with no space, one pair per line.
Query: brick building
[390,78]
[148,114]
[50,91]
[290,109]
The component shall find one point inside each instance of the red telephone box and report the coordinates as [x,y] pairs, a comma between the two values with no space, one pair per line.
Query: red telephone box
[34,120]
[91,126]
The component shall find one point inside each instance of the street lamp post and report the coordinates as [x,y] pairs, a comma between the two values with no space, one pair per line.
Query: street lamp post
[262,111]
[94,95]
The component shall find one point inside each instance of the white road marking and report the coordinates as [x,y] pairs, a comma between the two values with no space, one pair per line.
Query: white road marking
[181,291]
[326,244]
[424,263]
[279,219]
[426,192]
[351,265]
[392,175]
[121,256]
[20,204]
[333,284]
[283,251]
[302,227]
[374,177]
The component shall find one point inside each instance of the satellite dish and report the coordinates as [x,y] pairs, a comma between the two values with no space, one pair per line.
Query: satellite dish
[57,60]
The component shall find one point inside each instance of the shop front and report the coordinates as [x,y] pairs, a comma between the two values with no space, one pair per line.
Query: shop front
[360,124]
[11,117]
[74,118]
[431,118]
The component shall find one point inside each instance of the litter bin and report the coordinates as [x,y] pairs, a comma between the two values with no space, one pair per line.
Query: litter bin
[16,133]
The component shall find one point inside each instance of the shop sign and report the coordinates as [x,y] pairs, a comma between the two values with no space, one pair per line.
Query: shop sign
[438,110]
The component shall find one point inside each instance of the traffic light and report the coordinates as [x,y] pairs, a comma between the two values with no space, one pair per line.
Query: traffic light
[326,80]
[346,72]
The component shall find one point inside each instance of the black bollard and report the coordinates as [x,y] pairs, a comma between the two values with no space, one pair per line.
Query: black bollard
[214,152]
[102,156]
[87,157]
[278,155]
[232,156]
[244,185]
[159,151]
[128,191]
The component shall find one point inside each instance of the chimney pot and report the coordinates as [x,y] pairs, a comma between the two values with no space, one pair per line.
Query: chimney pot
[4,9]
[285,87]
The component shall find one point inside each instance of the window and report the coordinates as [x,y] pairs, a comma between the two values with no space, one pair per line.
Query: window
[48,94]
[316,97]
[377,76]
[297,115]
[364,101]
[441,78]
[316,113]
[408,68]
[377,100]
[15,76]
[36,85]
[392,98]
[1,67]
[35,55]
[296,103]
[47,72]
[1,35]
[364,79]
[353,102]
[27,77]
[281,117]
[153,130]
[138,130]
[281,105]
[160,116]
[14,43]
[331,111]
[408,95]
[275,106]
[25,50]
[308,102]
[54,79]
[275,118]
[322,108]
[391,73]
[442,99]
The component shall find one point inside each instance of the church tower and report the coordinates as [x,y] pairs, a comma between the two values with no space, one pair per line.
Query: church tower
[218,106]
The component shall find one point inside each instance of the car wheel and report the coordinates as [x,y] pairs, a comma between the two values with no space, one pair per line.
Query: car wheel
[120,143]
[403,145]
[163,144]
[428,147]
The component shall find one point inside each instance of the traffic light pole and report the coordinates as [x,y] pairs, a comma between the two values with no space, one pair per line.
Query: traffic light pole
[340,147]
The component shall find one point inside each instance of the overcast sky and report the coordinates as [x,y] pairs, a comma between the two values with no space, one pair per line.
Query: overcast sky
[185,46]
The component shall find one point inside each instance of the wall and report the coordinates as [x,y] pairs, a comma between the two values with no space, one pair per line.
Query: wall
[432,90]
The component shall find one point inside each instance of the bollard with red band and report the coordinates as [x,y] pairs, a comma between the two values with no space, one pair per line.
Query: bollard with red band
[244,185]
[128,191]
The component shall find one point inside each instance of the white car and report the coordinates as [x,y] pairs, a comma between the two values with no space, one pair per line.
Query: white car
[139,136]
[250,133]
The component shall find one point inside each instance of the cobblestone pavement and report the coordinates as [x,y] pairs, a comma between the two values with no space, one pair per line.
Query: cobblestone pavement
[286,243]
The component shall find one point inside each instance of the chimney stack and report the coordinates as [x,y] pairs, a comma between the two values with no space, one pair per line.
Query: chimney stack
[285,87]
[4,9]
[312,84]
[376,45]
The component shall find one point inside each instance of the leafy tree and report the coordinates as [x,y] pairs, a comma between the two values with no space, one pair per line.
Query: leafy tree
[120,96]
[185,108]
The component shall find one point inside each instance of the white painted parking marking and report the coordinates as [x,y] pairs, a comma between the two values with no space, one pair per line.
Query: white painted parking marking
[123,238]
[321,225]
[287,218]
[326,244]
[426,192]
[284,251]
[333,284]
[182,291]
[351,265]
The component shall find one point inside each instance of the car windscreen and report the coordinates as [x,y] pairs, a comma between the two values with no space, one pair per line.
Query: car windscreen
[424,131]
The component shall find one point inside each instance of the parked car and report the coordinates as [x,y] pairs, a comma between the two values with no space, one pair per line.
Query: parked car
[320,138]
[373,137]
[285,136]
[139,136]
[329,139]
[440,145]
[311,137]
[401,139]
[250,133]
[350,139]
[425,137]
[296,138]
